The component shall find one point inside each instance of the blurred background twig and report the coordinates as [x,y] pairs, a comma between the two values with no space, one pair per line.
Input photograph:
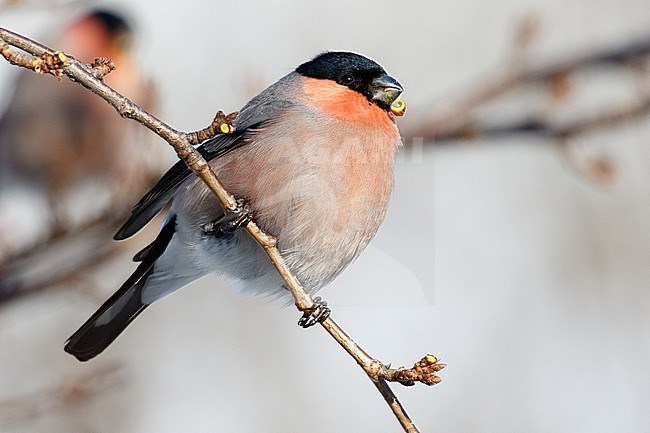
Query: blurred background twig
[459,118]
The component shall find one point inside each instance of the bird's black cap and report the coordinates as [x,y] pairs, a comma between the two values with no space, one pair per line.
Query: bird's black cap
[332,64]
[348,69]
[356,72]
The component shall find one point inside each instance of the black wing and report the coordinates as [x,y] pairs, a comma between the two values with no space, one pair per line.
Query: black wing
[123,307]
[153,202]
[260,110]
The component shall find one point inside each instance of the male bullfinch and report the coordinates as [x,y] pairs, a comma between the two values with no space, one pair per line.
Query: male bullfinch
[312,156]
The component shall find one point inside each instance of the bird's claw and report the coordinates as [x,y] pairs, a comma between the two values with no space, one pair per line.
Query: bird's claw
[229,223]
[315,314]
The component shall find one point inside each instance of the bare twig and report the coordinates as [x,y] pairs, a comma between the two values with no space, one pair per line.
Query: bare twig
[542,127]
[422,371]
[101,67]
[457,119]
[182,145]
[222,124]
[46,63]
[17,275]
[111,217]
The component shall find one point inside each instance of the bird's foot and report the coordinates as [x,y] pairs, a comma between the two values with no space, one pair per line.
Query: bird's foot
[315,314]
[229,223]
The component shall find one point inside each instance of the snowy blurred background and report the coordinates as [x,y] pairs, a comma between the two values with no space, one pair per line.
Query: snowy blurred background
[521,259]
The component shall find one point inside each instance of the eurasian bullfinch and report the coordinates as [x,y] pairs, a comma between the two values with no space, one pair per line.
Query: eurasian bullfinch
[312,156]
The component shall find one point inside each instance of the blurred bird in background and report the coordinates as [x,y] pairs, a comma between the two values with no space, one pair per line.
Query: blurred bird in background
[54,137]
[65,156]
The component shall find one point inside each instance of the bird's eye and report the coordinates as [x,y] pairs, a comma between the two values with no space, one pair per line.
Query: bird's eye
[347,79]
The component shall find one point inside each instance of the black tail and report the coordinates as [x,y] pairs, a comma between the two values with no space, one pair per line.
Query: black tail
[120,309]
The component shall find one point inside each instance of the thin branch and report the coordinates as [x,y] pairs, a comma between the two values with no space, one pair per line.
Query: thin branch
[222,124]
[182,145]
[541,127]
[17,277]
[457,119]
[422,371]
[46,63]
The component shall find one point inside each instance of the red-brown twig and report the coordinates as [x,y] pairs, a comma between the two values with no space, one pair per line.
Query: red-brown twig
[182,145]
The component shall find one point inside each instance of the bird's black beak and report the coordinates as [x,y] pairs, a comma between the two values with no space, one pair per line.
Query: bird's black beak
[386,91]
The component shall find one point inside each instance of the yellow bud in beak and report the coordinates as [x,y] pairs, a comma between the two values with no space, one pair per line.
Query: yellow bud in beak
[398,107]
